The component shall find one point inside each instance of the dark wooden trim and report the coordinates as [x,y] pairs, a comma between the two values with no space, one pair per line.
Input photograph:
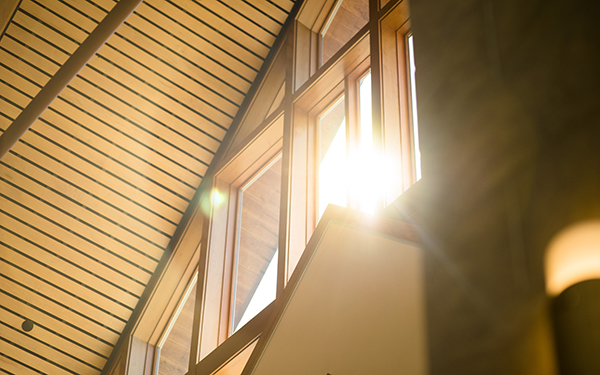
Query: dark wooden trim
[66,73]
[9,20]
[235,344]
[200,285]
[331,64]
[255,88]
[272,118]
[286,163]
[388,8]
[379,224]
[376,74]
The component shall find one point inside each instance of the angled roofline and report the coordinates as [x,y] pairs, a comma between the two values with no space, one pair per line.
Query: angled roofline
[192,214]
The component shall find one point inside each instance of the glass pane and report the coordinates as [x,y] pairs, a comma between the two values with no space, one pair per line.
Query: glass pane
[366,114]
[255,283]
[348,17]
[175,352]
[368,194]
[332,157]
[413,102]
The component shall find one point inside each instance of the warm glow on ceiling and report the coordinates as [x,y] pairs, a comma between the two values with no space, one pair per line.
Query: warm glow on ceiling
[573,256]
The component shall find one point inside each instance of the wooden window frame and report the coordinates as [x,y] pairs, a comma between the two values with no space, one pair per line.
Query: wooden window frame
[395,106]
[214,294]
[337,77]
[308,89]
[171,323]
[256,171]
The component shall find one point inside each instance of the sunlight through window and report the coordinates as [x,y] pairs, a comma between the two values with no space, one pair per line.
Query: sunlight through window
[413,102]
[332,155]
[255,279]
[366,164]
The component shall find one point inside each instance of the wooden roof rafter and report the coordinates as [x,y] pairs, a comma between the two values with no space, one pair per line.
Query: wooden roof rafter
[69,70]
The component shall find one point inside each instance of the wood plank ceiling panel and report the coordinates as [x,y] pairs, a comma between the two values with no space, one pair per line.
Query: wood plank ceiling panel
[92,194]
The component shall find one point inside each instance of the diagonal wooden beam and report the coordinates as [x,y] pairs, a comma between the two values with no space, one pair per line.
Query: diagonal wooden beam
[105,29]
[8,8]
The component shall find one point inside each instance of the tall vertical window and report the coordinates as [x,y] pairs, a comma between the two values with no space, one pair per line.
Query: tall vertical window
[368,164]
[345,19]
[332,157]
[255,273]
[349,168]
[174,347]
[413,104]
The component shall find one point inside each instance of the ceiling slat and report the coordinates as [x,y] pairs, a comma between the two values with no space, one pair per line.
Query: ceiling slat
[258,13]
[102,223]
[12,235]
[201,27]
[105,321]
[141,32]
[36,220]
[101,191]
[81,355]
[26,21]
[225,26]
[162,106]
[141,51]
[52,21]
[171,209]
[93,237]
[141,119]
[18,34]
[102,277]
[241,23]
[26,294]
[167,90]
[194,31]
[13,367]
[44,318]
[218,64]
[76,290]
[154,232]
[87,9]
[151,146]
[38,356]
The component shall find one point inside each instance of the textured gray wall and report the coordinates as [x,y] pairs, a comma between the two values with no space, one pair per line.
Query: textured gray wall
[509,98]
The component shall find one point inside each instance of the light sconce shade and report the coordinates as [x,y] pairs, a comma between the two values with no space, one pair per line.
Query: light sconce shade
[573,256]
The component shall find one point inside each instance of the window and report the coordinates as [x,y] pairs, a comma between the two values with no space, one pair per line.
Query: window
[174,346]
[400,145]
[350,139]
[255,265]
[345,19]
[332,163]
[413,107]
[325,146]
[241,228]
[347,164]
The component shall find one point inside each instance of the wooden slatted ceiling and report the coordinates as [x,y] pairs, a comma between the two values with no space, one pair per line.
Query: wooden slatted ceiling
[92,193]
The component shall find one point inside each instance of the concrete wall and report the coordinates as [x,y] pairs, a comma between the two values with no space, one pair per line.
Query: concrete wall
[509,98]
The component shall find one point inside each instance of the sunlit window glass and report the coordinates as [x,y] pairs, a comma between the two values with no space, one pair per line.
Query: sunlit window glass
[332,157]
[174,354]
[367,164]
[255,281]
[413,102]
